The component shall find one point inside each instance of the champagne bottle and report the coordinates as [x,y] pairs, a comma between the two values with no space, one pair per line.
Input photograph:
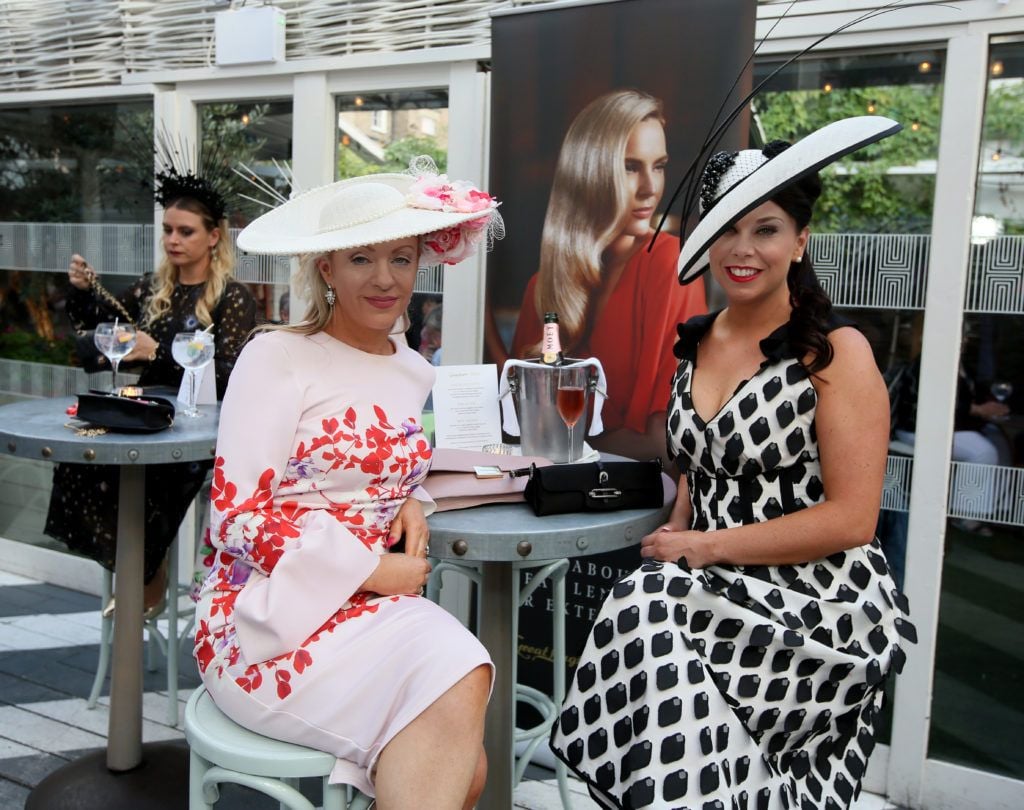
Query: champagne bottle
[551,347]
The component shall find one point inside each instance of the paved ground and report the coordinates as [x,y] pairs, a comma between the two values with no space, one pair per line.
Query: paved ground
[49,642]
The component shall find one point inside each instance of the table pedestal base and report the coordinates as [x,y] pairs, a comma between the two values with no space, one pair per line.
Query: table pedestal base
[161,781]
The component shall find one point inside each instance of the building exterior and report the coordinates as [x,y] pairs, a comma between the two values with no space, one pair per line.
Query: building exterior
[946,263]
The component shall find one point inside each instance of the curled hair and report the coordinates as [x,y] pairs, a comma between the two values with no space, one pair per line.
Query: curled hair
[222,268]
[587,196]
[311,287]
[808,331]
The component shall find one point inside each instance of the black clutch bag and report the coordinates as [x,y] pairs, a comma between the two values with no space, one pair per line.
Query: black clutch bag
[145,414]
[599,486]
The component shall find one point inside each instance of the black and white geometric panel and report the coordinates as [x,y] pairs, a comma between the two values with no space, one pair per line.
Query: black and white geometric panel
[257,269]
[995,283]
[896,485]
[986,492]
[46,247]
[877,271]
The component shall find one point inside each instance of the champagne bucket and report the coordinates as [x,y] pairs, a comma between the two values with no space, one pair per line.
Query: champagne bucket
[534,392]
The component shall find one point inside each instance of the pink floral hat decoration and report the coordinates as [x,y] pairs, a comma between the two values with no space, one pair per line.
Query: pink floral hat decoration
[451,217]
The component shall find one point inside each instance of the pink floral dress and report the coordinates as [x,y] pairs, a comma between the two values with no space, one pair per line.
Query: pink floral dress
[319,446]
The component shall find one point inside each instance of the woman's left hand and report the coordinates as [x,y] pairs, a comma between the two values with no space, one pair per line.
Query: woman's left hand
[668,545]
[412,523]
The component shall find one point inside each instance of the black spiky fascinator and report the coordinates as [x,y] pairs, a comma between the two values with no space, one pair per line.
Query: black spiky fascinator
[208,178]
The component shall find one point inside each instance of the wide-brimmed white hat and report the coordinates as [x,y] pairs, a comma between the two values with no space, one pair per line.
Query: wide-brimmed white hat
[753,178]
[377,208]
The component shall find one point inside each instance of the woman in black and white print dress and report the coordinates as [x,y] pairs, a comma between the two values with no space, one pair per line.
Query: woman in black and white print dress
[741,667]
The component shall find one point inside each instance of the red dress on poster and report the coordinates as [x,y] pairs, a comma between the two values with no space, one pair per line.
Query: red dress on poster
[634,334]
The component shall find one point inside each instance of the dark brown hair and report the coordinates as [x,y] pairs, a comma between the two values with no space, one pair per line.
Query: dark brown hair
[808,330]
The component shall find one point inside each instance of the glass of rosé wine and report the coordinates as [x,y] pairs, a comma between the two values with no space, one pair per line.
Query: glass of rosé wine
[571,397]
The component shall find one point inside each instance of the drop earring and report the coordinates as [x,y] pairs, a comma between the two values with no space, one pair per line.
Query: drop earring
[330,296]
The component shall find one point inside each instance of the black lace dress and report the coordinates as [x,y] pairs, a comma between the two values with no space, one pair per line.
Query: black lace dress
[83,502]
[738,687]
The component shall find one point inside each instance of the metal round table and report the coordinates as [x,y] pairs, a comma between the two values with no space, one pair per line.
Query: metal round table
[496,537]
[129,774]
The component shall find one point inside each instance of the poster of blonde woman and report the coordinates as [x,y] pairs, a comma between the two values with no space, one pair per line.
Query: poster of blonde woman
[585,162]
[597,110]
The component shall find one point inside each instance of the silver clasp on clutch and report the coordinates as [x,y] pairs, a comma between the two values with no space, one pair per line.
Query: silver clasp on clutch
[604,493]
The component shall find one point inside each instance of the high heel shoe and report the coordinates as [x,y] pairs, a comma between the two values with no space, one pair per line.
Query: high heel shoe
[148,613]
[155,610]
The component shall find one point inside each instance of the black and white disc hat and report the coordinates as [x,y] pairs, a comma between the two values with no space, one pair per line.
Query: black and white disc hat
[754,178]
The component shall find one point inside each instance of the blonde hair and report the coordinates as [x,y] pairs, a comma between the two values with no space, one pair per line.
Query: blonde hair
[587,197]
[222,268]
[309,285]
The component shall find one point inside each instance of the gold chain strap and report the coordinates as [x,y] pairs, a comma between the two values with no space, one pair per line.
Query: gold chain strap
[102,292]
[85,431]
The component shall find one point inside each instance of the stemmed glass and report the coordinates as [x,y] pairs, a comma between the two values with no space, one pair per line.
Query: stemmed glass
[572,383]
[115,340]
[1001,390]
[192,351]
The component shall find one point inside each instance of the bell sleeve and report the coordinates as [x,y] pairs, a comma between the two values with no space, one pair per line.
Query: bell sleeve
[298,566]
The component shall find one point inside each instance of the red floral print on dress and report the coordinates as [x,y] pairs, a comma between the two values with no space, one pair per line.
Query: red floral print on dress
[255,531]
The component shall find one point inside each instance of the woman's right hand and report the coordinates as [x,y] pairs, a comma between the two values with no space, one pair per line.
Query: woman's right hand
[398,573]
[80,274]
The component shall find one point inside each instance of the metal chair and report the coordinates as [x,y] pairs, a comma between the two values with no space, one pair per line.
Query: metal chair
[222,751]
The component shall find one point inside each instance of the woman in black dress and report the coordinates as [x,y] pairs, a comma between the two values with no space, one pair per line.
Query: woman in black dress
[741,665]
[191,289]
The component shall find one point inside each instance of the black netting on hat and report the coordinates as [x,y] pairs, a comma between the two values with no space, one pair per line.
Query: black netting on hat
[718,165]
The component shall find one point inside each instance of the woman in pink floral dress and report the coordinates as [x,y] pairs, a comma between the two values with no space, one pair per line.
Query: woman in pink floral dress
[309,630]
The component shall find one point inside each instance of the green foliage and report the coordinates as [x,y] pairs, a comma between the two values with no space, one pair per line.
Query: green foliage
[867,191]
[351,165]
[1004,116]
[398,154]
[396,157]
[18,345]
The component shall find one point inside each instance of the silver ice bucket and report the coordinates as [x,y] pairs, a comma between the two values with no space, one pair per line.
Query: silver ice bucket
[534,392]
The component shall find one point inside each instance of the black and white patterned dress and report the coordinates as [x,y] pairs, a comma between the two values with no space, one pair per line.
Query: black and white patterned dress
[738,687]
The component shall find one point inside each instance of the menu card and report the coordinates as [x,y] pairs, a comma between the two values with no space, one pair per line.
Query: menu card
[466,407]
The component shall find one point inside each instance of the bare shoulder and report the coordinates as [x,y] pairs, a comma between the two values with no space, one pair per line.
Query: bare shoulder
[853,366]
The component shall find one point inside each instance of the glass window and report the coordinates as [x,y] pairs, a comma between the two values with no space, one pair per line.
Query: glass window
[257,138]
[416,124]
[73,178]
[978,700]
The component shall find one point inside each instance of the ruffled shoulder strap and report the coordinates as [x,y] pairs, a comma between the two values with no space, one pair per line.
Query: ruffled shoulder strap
[690,334]
[777,345]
